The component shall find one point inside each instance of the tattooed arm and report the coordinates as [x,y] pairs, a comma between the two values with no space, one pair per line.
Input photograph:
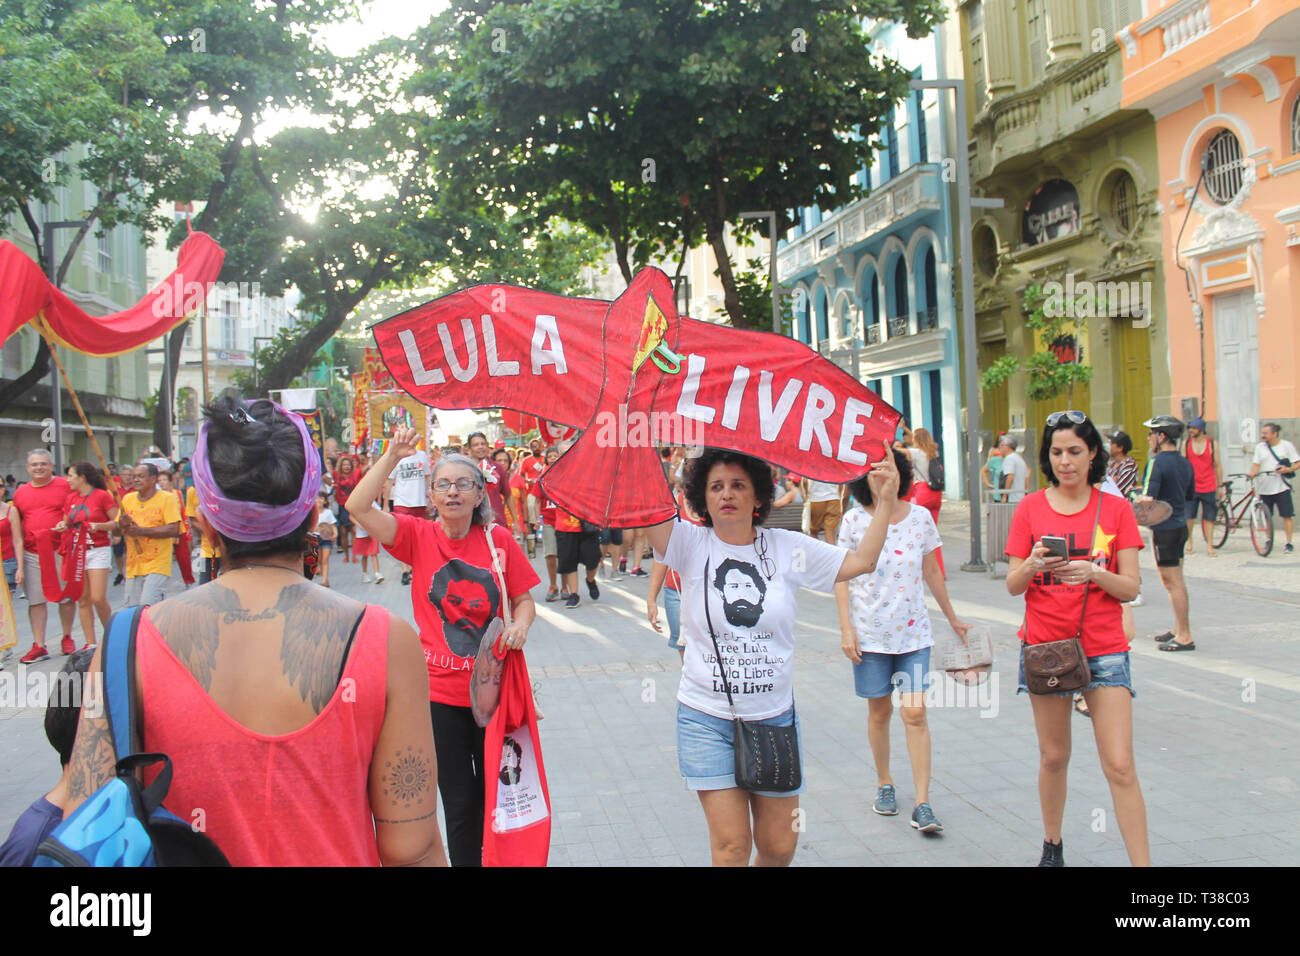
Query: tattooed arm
[93,756]
[404,769]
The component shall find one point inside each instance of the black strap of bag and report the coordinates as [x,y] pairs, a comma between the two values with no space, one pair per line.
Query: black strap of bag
[1060,666]
[1284,462]
[767,757]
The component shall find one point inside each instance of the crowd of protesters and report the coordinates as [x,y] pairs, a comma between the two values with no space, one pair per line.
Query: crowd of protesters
[466,522]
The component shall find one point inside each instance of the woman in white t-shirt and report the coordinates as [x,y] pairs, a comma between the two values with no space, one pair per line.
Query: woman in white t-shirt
[885,632]
[739,582]
[328,529]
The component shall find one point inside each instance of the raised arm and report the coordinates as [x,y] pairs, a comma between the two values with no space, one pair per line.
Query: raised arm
[379,524]
[883,480]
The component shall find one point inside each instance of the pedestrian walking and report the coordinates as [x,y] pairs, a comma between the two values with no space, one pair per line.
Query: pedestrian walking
[739,584]
[494,477]
[150,521]
[307,744]
[11,541]
[364,545]
[40,507]
[1277,460]
[1121,468]
[927,479]
[576,542]
[181,552]
[410,494]
[328,531]
[1079,595]
[991,473]
[885,631]
[550,547]
[1015,473]
[1207,470]
[90,504]
[464,569]
[1170,479]
[825,508]
[346,476]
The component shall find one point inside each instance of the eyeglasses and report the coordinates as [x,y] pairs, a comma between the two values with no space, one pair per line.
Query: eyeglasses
[769,566]
[462,484]
[1073,417]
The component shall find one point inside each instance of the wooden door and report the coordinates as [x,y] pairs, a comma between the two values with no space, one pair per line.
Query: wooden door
[1133,355]
[1236,356]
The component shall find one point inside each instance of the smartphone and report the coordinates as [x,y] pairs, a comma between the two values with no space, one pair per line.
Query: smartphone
[1058,547]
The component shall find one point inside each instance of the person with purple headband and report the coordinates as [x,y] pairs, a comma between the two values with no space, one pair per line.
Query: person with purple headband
[294,717]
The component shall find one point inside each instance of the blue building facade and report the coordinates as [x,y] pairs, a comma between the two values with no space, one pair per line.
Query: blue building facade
[873,281]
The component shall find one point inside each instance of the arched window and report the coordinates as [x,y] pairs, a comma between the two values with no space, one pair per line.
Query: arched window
[823,321]
[1224,167]
[871,311]
[1122,205]
[1295,125]
[900,288]
[930,318]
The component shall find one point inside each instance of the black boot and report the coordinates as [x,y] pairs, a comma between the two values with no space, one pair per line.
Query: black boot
[1053,854]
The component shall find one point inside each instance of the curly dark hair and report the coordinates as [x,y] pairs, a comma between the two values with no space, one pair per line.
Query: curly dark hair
[1091,437]
[696,480]
[861,490]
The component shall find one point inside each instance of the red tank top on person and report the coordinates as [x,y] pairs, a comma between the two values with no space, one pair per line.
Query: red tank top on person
[1203,466]
[299,799]
[6,536]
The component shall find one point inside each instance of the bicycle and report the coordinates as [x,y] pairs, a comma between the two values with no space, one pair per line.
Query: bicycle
[1231,514]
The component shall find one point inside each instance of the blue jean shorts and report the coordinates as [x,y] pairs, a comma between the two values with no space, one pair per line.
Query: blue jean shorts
[673,611]
[877,674]
[1108,670]
[706,754]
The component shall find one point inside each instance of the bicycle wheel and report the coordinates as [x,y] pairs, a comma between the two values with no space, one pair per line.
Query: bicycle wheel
[1221,520]
[1261,529]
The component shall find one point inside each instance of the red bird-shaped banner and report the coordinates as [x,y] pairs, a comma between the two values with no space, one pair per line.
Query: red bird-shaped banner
[633,374]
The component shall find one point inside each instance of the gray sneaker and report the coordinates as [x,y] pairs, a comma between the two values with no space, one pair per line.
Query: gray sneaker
[886,803]
[923,819]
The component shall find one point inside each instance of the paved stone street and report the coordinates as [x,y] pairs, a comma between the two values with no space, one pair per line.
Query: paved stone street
[1215,732]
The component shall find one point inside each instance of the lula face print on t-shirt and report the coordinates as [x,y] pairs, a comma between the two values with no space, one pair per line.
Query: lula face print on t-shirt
[466,598]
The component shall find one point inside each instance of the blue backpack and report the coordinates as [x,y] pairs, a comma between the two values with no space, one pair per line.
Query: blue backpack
[124,823]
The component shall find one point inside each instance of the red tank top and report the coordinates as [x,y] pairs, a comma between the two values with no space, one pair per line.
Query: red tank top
[300,799]
[6,536]
[1202,466]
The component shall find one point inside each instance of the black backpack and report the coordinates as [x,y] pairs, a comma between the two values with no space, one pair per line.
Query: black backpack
[935,478]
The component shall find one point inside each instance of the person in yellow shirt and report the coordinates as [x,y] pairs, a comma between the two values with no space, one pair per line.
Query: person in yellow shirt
[211,565]
[150,521]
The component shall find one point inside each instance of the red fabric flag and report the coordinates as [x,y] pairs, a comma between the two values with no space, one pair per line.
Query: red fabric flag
[72,548]
[517,802]
[632,374]
[25,293]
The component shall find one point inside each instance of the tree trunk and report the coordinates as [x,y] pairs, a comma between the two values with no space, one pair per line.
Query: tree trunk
[12,391]
[162,430]
[730,299]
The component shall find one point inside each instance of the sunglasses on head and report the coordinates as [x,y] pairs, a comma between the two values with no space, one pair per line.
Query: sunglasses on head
[1071,416]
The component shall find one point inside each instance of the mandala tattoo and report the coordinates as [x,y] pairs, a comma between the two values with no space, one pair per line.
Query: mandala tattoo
[406,777]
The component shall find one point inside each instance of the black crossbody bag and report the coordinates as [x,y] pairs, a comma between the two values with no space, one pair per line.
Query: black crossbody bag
[1284,462]
[767,757]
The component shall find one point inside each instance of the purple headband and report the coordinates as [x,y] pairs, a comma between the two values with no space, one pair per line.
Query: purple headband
[249,521]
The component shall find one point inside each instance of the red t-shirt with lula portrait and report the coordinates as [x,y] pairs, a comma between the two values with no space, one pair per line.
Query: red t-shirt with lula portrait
[1053,609]
[455,592]
[94,509]
[41,509]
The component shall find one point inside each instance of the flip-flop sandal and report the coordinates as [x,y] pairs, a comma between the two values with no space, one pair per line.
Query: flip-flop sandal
[1165,637]
[1081,706]
[1175,646]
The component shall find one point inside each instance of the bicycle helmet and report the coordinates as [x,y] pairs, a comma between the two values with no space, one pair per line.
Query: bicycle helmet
[1170,427]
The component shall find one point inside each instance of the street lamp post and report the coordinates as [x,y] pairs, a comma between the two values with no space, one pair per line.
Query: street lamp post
[55,390]
[770,216]
[964,204]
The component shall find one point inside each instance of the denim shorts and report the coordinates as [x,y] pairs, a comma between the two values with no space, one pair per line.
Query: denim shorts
[673,611]
[706,754]
[876,675]
[1108,670]
[11,571]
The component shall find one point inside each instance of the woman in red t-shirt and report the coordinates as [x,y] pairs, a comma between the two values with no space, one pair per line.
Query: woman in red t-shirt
[1102,540]
[456,590]
[346,476]
[92,505]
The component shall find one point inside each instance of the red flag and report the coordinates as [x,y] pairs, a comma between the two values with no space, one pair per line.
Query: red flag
[27,293]
[517,802]
[631,374]
[72,548]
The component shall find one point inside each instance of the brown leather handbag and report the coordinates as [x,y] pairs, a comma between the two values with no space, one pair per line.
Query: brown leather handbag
[1060,666]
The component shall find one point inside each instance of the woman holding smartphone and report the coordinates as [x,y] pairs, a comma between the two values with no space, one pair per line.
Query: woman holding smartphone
[1101,542]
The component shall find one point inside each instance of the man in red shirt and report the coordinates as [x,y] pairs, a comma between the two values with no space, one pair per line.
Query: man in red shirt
[40,503]
[493,474]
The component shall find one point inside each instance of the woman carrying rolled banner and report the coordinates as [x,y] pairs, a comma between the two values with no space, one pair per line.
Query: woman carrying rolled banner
[293,716]
[90,504]
[885,632]
[1080,595]
[459,576]
[739,584]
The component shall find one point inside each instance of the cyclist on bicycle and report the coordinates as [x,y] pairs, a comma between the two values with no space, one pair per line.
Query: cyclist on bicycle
[1170,479]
